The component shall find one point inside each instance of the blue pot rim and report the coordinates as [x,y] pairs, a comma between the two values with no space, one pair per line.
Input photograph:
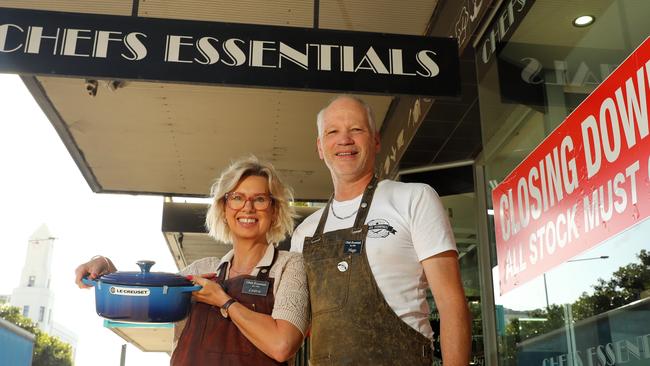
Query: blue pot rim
[145,277]
[127,278]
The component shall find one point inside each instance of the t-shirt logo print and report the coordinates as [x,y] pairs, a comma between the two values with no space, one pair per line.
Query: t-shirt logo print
[379,228]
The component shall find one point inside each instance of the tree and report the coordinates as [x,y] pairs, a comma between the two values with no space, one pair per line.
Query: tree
[12,315]
[626,286]
[48,350]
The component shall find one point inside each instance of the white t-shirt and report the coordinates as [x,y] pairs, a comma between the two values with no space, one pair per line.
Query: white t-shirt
[407,224]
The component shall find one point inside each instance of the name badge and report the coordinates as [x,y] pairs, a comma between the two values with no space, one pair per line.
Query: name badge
[254,287]
[352,246]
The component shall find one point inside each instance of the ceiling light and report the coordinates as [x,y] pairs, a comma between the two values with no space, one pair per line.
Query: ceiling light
[584,20]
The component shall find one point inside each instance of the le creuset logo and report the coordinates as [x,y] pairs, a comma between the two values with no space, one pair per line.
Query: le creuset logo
[125,291]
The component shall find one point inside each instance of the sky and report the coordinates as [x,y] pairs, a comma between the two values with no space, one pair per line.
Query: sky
[40,183]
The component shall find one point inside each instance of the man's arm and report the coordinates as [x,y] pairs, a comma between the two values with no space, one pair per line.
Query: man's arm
[443,276]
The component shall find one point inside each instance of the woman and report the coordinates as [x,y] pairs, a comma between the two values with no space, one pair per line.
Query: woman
[262,315]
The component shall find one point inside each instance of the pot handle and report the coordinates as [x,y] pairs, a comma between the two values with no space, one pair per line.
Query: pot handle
[189,288]
[88,281]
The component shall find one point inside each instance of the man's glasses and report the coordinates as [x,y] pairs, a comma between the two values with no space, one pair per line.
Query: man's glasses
[237,201]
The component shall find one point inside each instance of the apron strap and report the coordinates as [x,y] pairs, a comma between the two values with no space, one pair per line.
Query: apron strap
[221,275]
[323,219]
[263,273]
[364,206]
[362,212]
[221,271]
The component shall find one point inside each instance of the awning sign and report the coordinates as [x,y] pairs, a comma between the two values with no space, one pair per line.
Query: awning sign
[586,182]
[136,48]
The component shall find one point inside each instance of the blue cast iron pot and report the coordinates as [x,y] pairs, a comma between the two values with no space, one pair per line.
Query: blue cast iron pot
[151,297]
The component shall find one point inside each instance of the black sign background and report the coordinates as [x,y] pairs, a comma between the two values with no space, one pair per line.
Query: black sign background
[153,67]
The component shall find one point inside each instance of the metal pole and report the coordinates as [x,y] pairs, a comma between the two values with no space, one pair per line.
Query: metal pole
[570,334]
[488,309]
[433,167]
[134,8]
[571,260]
[546,292]
[123,355]
[588,259]
[316,13]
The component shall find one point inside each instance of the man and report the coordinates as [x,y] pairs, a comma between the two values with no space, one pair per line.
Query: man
[370,254]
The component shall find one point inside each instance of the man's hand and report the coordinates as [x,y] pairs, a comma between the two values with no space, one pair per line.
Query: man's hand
[211,293]
[94,268]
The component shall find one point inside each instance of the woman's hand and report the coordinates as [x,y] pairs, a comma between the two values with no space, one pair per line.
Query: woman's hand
[212,293]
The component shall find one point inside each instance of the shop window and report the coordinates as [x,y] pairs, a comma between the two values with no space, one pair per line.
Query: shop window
[594,308]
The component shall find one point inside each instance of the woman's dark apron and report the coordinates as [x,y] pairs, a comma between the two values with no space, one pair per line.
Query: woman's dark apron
[352,324]
[210,339]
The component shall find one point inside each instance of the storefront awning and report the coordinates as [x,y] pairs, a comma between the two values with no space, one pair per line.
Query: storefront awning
[172,139]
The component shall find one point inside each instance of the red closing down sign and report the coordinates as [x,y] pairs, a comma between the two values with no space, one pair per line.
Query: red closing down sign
[586,182]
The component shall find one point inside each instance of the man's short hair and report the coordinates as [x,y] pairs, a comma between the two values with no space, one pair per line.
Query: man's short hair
[370,115]
[282,224]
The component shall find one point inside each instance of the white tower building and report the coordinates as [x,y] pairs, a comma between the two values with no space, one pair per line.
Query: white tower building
[33,294]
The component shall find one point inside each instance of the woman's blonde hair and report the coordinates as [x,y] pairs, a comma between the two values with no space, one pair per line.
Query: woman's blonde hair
[282,222]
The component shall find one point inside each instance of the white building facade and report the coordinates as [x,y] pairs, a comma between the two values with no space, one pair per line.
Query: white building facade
[33,294]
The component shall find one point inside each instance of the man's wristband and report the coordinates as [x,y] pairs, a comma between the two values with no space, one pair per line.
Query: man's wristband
[225,306]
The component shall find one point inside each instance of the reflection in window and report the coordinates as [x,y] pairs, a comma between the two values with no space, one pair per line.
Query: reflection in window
[614,312]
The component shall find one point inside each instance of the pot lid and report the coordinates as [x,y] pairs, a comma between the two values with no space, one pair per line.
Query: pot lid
[145,277]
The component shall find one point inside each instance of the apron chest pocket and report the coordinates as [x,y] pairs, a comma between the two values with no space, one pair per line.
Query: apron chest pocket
[329,282]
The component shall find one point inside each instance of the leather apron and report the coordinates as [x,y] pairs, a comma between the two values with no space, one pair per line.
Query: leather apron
[210,339]
[352,324]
